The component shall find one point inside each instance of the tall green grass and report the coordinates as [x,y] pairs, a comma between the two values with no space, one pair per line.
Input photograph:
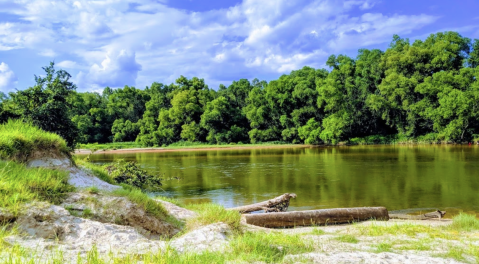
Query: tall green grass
[18,140]
[20,185]
[137,196]
[209,213]
[97,170]
[465,222]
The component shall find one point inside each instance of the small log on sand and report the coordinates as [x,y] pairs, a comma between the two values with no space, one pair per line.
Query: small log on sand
[317,217]
[278,204]
[428,216]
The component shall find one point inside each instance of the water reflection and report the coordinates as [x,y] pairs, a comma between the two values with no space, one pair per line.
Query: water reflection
[398,177]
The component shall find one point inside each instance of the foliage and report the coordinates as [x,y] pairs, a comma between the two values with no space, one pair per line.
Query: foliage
[18,140]
[128,172]
[46,104]
[424,91]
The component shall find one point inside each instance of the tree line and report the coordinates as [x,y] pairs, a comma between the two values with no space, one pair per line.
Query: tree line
[427,88]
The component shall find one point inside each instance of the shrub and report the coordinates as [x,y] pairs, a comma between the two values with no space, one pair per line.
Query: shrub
[129,173]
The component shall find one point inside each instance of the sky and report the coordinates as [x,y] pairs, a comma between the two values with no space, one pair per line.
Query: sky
[137,42]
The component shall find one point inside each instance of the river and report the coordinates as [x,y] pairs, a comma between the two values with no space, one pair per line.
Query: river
[407,178]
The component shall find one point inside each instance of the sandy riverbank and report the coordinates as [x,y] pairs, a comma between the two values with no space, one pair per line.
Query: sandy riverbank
[134,150]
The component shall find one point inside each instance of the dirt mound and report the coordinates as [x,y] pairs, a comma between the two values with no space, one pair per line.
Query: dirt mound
[118,210]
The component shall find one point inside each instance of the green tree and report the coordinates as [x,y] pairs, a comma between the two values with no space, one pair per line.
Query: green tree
[46,104]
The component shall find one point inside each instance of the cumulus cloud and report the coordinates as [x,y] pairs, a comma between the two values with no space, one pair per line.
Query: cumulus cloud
[7,78]
[135,42]
[117,69]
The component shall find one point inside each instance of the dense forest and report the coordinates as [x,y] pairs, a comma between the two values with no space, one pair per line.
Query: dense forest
[425,89]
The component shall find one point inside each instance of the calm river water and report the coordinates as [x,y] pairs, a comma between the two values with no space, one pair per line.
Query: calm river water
[398,177]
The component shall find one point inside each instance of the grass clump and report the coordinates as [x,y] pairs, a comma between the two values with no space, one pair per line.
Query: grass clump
[212,213]
[20,185]
[170,200]
[317,231]
[18,140]
[408,229]
[268,247]
[97,170]
[383,247]
[465,222]
[137,196]
[347,239]
[418,245]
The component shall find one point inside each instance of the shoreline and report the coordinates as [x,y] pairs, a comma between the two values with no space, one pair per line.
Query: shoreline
[188,149]
[245,147]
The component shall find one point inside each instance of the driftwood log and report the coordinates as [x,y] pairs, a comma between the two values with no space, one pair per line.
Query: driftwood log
[278,204]
[428,216]
[317,217]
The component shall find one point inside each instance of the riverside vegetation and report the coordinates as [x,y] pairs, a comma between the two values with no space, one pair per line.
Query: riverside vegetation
[21,186]
[424,91]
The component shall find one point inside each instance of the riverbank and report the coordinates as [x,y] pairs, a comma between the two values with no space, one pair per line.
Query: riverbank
[191,148]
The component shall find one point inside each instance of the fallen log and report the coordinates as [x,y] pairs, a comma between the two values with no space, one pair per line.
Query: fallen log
[278,204]
[317,217]
[427,216]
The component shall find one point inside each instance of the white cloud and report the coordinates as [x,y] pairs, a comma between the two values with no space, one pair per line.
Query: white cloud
[8,79]
[108,40]
[117,69]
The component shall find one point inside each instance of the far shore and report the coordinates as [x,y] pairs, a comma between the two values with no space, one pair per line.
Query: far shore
[191,148]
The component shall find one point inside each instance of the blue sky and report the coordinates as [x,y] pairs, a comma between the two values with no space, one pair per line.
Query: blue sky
[119,42]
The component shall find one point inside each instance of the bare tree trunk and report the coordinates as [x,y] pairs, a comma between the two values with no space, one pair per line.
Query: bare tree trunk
[278,204]
[317,217]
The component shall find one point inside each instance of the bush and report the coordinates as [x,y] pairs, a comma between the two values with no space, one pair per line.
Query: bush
[129,173]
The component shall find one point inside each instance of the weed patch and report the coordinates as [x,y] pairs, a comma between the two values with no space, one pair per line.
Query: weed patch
[212,213]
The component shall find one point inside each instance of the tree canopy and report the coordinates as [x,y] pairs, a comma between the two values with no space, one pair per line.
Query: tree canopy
[427,88]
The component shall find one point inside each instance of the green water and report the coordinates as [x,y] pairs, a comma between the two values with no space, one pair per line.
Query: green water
[398,177]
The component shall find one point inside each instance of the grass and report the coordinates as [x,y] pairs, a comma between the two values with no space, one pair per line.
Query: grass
[150,206]
[142,199]
[465,222]
[409,229]
[423,244]
[18,140]
[20,185]
[247,248]
[268,247]
[347,239]
[317,231]
[108,146]
[209,213]
[96,170]
[383,247]
[170,200]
